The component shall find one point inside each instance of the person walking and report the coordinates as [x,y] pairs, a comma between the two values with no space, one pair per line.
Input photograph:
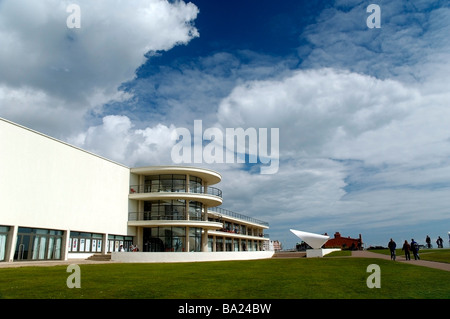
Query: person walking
[440,242]
[406,247]
[428,241]
[392,245]
[415,249]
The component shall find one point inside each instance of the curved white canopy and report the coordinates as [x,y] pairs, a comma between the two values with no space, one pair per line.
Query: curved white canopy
[316,241]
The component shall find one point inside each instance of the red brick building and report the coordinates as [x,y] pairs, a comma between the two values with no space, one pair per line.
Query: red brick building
[344,242]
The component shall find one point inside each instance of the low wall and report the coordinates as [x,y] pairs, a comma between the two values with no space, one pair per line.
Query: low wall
[320,252]
[173,257]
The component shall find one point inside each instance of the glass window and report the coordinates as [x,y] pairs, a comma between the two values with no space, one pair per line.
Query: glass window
[115,241]
[195,239]
[219,244]
[165,209]
[165,183]
[228,244]
[195,184]
[4,230]
[38,244]
[195,210]
[81,242]
[165,239]
[210,244]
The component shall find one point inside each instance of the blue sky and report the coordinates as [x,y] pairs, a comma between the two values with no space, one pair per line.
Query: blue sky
[362,113]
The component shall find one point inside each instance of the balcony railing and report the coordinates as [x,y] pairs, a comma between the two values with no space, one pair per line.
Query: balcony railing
[133,216]
[238,216]
[139,189]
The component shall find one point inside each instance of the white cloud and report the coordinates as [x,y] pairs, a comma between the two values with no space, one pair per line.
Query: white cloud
[117,140]
[81,68]
[357,152]
[313,107]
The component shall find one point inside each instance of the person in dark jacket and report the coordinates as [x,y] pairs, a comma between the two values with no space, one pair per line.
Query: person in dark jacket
[406,247]
[440,242]
[415,249]
[392,245]
[428,241]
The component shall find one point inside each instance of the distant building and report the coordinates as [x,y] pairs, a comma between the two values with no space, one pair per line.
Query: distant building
[344,242]
[272,245]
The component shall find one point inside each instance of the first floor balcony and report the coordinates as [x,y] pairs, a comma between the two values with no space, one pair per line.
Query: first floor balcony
[210,196]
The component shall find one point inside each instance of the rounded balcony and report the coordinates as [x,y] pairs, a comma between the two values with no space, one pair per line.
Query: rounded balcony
[209,196]
[208,176]
[176,223]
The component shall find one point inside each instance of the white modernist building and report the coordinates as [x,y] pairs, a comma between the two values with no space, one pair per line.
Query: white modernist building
[60,202]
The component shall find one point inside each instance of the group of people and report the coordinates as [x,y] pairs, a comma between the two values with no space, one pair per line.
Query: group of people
[439,242]
[413,246]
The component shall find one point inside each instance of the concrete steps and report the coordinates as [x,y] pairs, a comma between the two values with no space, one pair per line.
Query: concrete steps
[100,257]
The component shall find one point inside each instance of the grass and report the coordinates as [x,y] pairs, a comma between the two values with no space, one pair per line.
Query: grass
[297,278]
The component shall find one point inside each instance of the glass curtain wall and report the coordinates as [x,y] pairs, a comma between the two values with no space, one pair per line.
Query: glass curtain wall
[165,209]
[115,241]
[80,242]
[166,239]
[195,239]
[195,184]
[4,230]
[38,244]
[195,210]
[171,210]
[165,183]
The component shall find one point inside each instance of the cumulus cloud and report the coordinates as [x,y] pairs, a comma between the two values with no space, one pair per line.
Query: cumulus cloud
[311,107]
[118,140]
[371,106]
[81,68]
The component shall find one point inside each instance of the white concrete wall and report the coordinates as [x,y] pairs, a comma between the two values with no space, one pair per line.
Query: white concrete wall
[172,257]
[45,183]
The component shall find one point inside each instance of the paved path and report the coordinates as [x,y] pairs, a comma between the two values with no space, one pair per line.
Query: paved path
[425,263]
[47,263]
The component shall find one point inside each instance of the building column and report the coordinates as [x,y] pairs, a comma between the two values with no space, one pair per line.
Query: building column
[204,240]
[187,239]
[105,244]
[187,201]
[139,239]
[65,245]
[11,243]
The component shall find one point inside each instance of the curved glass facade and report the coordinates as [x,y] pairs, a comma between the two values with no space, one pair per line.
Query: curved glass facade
[195,184]
[165,183]
[171,239]
[170,210]
[173,183]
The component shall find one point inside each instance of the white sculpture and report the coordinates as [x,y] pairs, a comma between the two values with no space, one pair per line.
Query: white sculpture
[316,241]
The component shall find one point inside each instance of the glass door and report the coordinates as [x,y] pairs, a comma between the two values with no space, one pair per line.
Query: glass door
[22,247]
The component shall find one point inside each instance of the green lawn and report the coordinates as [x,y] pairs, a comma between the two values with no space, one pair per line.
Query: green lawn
[297,278]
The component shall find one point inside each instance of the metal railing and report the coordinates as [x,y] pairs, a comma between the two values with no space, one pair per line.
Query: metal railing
[133,216]
[139,189]
[227,212]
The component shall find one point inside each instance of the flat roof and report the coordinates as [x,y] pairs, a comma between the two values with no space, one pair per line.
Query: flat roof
[61,142]
[207,175]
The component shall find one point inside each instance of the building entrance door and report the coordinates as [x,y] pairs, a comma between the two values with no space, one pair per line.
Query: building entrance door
[22,247]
